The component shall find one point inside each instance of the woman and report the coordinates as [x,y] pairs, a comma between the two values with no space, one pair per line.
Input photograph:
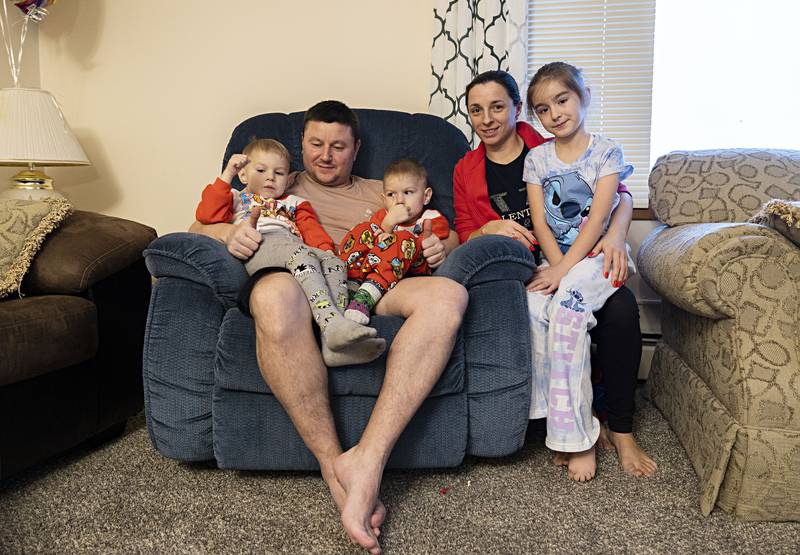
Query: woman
[490,198]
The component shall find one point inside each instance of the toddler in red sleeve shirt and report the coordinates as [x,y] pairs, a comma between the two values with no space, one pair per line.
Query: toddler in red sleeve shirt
[293,238]
[388,246]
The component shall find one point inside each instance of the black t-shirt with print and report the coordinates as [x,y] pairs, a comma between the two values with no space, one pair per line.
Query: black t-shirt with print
[507,191]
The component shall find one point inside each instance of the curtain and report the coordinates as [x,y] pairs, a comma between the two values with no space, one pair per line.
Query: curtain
[470,37]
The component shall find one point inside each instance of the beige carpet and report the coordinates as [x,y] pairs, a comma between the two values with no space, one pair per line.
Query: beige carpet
[125,498]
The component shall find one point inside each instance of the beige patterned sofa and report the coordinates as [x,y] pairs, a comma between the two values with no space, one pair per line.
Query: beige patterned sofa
[726,373]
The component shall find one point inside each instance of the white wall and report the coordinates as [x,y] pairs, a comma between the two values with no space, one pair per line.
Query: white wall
[153,89]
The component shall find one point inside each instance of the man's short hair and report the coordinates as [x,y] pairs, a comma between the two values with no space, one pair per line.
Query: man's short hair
[267,145]
[333,111]
[406,166]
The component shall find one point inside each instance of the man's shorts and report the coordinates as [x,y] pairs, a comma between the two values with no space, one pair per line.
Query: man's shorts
[243,302]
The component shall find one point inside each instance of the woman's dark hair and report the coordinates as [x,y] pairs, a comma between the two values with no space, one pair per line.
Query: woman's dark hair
[333,111]
[501,78]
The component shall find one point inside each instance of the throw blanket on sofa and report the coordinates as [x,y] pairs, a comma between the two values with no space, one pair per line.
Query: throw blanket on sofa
[24,224]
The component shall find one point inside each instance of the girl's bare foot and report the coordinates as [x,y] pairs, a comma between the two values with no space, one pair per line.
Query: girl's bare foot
[582,466]
[560,458]
[631,457]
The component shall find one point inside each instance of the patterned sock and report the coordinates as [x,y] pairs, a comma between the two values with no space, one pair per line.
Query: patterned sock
[364,300]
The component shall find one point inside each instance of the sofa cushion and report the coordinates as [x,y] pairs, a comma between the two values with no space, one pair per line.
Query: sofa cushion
[41,334]
[23,226]
[711,186]
[88,247]
[236,367]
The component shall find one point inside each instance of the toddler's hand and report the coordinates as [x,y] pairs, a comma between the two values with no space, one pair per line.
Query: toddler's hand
[235,163]
[397,214]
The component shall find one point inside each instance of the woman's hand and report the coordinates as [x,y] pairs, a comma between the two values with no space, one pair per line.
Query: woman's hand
[546,279]
[509,229]
[615,260]
[243,239]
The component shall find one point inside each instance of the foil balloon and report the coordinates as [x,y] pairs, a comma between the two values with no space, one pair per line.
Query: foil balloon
[34,9]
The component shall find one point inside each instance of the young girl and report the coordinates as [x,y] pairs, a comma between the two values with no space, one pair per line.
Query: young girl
[572,189]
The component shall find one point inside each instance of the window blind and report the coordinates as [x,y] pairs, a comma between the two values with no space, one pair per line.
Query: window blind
[612,42]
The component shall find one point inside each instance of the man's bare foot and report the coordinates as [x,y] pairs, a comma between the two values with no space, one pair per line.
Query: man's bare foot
[604,440]
[631,457]
[339,496]
[560,458]
[582,466]
[360,476]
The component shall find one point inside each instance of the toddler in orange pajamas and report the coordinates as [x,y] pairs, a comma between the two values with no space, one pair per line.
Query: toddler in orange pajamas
[380,251]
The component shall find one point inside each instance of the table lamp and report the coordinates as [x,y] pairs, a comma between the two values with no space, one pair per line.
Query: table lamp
[33,132]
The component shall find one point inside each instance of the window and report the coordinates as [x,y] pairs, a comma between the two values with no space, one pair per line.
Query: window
[612,42]
[726,75]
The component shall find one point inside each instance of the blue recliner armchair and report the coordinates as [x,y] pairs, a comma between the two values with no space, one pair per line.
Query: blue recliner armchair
[204,395]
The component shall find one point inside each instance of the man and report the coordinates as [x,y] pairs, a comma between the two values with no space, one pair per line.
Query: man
[288,355]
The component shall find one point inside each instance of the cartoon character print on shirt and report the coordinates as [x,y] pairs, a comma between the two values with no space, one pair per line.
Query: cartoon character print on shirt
[348,246]
[567,201]
[270,208]
[353,259]
[367,238]
[387,242]
[409,249]
[397,267]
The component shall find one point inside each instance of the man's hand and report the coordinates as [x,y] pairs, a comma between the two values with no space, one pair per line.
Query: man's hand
[615,260]
[432,246]
[243,239]
[508,228]
[235,163]
[396,215]
[546,279]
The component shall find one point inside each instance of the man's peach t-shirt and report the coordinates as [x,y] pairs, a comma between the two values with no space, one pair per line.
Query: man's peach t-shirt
[339,208]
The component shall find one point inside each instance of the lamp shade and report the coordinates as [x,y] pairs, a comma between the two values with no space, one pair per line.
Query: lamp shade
[33,131]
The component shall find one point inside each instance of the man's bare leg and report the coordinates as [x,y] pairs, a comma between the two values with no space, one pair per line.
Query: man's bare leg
[631,457]
[291,364]
[433,308]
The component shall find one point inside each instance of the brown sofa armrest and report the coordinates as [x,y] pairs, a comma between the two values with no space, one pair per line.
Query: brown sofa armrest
[86,248]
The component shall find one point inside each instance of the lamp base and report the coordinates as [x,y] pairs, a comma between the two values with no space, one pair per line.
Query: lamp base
[31,185]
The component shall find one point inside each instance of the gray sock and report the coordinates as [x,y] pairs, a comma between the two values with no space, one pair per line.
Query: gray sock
[359,352]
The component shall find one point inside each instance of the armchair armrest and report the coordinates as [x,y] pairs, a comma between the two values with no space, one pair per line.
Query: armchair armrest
[87,248]
[200,259]
[698,267]
[486,259]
